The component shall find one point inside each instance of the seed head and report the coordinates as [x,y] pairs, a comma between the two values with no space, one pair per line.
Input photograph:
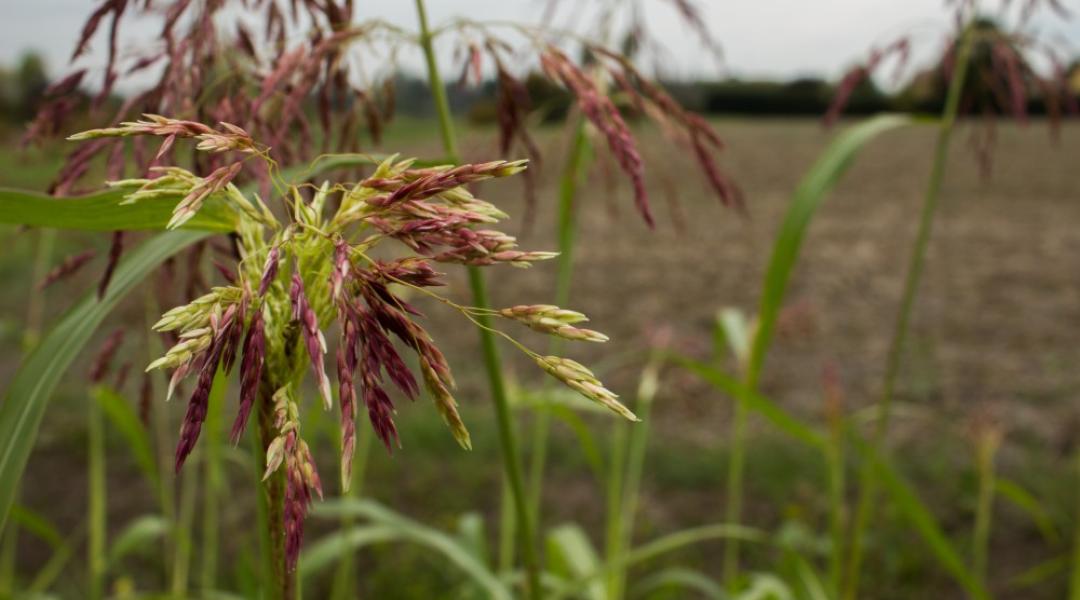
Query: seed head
[446,405]
[582,380]
[554,321]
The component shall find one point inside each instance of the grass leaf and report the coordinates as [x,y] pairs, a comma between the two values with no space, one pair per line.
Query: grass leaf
[818,181]
[102,211]
[572,555]
[141,531]
[675,578]
[126,421]
[923,521]
[764,406]
[391,526]
[29,391]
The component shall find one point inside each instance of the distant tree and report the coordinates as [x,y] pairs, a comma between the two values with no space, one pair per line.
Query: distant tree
[30,84]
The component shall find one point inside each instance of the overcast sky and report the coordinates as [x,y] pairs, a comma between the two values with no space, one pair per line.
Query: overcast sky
[761,38]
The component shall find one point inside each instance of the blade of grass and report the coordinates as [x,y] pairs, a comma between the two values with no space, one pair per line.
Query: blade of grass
[572,555]
[759,403]
[624,490]
[810,194]
[31,387]
[138,533]
[1074,571]
[923,521]
[1024,500]
[986,449]
[344,586]
[680,578]
[123,418]
[102,211]
[213,481]
[52,569]
[96,501]
[663,545]
[392,526]
[35,305]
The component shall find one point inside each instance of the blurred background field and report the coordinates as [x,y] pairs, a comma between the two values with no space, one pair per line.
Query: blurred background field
[994,341]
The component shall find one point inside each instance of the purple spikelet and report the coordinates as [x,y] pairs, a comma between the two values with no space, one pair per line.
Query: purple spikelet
[313,337]
[346,366]
[200,397]
[115,250]
[269,270]
[104,357]
[251,367]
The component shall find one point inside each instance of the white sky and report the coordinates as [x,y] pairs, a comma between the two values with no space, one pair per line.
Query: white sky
[761,38]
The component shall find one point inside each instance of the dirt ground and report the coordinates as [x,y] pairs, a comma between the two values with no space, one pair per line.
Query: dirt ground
[998,312]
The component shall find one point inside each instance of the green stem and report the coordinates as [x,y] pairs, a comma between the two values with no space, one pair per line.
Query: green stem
[867,476]
[733,505]
[616,488]
[511,460]
[161,428]
[96,501]
[185,516]
[984,508]
[630,488]
[834,456]
[568,186]
[212,493]
[7,558]
[507,526]
[1074,576]
[344,585]
[282,582]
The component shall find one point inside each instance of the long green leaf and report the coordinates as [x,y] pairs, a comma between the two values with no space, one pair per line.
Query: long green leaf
[36,524]
[808,197]
[137,533]
[923,521]
[1027,502]
[764,406]
[663,545]
[126,421]
[102,211]
[391,526]
[30,389]
[572,555]
[680,578]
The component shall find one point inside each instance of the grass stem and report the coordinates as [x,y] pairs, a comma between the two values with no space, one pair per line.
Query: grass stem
[96,501]
[571,176]
[1074,575]
[867,477]
[986,449]
[213,491]
[511,459]
[622,514]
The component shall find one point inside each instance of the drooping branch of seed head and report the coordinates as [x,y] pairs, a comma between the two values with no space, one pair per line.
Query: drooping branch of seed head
[1002,78]
[296,278]
[271,78]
